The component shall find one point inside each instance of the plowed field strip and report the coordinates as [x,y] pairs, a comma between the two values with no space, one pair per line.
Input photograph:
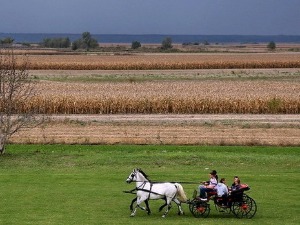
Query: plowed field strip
[165,129]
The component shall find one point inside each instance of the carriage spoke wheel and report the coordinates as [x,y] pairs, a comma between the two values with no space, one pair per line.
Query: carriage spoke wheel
[245,208]
[199,209]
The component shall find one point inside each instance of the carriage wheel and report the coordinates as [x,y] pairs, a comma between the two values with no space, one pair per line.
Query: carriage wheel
[244,209]
[199,209]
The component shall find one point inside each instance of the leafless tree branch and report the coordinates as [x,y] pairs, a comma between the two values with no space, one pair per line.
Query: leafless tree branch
[16,88]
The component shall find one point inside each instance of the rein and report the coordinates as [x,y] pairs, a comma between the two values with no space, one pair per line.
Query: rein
[172,182]
[151,183]
[141,189]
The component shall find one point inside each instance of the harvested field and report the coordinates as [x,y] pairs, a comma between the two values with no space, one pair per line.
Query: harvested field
[229,129]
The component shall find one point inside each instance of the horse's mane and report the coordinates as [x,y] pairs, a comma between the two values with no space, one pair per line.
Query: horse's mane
[143,173]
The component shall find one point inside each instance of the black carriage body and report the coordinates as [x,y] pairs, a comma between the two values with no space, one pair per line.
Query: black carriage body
[238,203]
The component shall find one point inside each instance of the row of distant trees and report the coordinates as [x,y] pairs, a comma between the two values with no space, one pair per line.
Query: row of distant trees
[88,42]
[166,44]
[56,42]
[85,42]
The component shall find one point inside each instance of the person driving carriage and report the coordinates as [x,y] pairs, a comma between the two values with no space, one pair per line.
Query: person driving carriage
[208,186]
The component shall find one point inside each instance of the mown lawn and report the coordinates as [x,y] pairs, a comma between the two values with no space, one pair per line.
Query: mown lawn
[70,184]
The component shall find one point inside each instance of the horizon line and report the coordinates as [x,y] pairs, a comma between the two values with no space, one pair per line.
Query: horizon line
[153,34]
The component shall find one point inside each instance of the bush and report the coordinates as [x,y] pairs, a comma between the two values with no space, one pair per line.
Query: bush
[56,42]
[271,46]
[7,40]
[135,44]
[86,41]
[167,43]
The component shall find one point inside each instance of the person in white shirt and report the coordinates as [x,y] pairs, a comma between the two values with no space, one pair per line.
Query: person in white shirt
[222,192]
[222,189]
[208,186]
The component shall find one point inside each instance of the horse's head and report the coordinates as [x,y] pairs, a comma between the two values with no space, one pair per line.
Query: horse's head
[137,175]
[132,176]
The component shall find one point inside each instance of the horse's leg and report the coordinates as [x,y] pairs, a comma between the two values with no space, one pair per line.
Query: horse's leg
[131,205]
[168,202]
[180,211]
[160,208]
[143,208]
[133,211]
[138,202]
[178,204]
[147,207]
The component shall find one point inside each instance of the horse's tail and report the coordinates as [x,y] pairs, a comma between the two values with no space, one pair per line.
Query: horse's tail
[180,193]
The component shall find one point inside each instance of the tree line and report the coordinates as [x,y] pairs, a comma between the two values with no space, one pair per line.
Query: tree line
[87,42]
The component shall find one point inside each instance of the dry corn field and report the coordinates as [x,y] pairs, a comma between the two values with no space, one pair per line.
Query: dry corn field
[167,97]
[164,61]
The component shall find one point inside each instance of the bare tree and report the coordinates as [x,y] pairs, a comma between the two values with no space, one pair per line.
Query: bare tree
[16,88]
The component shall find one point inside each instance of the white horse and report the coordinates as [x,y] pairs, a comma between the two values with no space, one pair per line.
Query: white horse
[2,143]
[147,190]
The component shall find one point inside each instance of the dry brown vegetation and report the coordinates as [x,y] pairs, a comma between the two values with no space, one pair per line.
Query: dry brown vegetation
[167,97]
[206,129]
[164,61]
[177,95]
[151,85]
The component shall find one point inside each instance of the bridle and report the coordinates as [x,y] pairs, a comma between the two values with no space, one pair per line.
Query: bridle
[131,176]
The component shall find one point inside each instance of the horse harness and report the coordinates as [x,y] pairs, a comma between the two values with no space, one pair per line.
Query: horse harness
[141,188]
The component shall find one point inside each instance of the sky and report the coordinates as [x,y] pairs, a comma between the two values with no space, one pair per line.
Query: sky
[207,17]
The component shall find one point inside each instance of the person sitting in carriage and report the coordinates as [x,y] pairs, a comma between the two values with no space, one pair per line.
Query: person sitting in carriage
[237,189]
[236,185]
[208,186]
[222,191]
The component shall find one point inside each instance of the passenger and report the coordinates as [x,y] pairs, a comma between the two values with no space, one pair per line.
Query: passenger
[222,189]
[208,186]
[222,192]
[236,184]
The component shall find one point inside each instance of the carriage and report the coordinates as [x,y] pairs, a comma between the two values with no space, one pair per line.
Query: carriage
[238,203]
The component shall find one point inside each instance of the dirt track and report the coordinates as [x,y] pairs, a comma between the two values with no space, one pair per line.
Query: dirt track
[190,119]
[167,129]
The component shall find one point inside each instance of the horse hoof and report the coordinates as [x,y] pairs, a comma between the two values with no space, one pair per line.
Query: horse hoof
[132,215]
[163,216]
[180,213]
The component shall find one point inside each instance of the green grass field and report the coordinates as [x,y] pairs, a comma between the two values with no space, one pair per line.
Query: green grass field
[70,184]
